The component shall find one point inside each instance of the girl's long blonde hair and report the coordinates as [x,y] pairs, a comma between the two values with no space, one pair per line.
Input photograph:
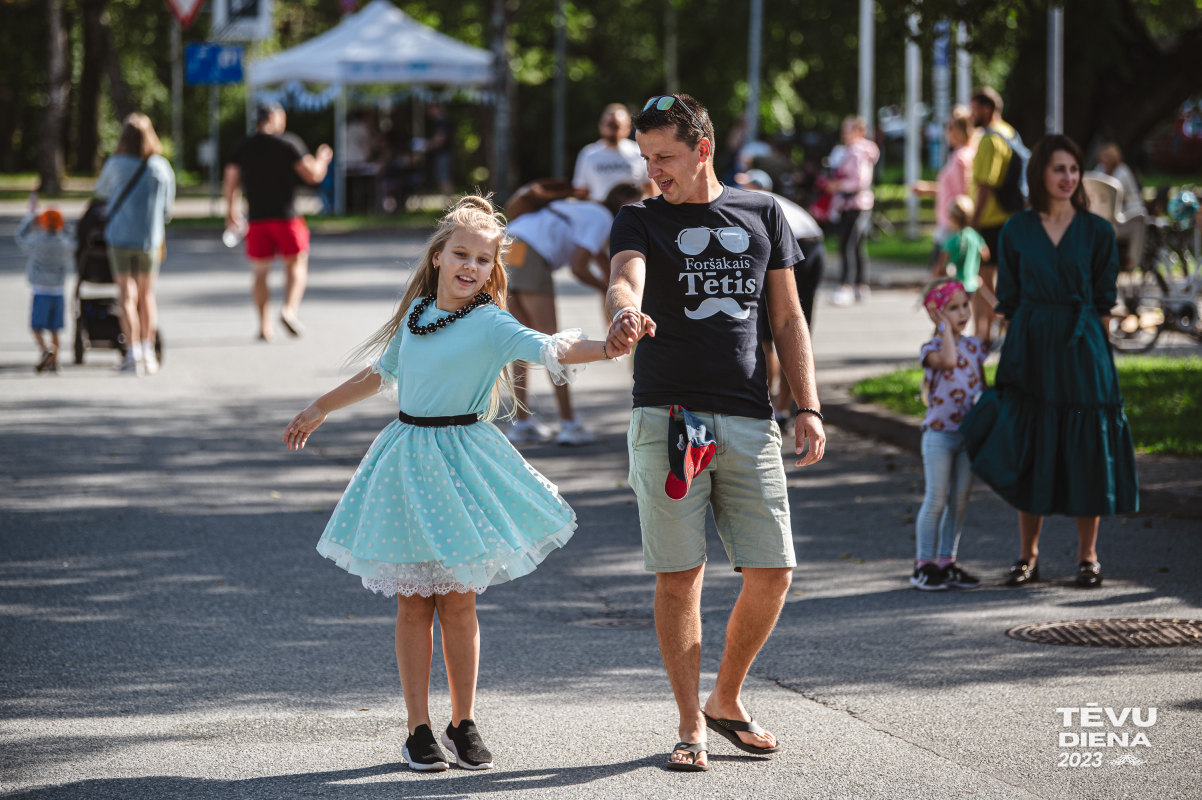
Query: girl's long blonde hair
[478,214]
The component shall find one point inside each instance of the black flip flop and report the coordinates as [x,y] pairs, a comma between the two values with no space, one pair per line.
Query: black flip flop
[728,729]
[696,748]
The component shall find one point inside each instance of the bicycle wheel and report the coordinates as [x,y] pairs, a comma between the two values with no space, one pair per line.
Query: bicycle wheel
[1138,315]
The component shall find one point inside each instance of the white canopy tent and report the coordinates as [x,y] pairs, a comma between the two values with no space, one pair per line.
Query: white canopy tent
[380,44]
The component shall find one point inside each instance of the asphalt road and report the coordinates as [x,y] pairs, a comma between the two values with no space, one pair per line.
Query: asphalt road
[167,629]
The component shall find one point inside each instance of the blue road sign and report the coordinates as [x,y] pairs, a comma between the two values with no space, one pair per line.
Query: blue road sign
[208,64]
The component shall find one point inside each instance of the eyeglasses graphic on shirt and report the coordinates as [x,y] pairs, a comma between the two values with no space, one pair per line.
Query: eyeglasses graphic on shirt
[692,241]
[664,102]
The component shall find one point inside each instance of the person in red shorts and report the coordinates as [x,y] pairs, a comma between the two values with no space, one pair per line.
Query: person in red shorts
[266,166]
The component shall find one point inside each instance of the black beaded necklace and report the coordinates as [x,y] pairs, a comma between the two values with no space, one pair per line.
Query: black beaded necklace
[482,299]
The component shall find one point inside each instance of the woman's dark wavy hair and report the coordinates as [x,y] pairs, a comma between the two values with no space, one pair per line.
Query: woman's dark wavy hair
[1041,156]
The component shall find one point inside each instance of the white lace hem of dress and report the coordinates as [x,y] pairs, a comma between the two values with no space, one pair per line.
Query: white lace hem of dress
[387,382]
[428,578]
[557,348]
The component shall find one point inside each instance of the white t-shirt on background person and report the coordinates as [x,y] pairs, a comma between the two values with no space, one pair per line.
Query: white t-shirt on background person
[557,230]
[600,168]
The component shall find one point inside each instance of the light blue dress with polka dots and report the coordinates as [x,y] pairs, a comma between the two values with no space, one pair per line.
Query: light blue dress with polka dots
[455,509]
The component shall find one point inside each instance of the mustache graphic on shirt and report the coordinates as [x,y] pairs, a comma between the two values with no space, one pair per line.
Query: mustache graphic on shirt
[712,305]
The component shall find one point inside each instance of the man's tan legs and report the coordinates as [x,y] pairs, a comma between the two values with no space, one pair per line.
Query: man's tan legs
[678,629]
[536,311]
[752,620]
[296,277]
[261,268]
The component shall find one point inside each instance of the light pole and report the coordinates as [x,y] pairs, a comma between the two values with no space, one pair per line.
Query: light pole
[500,133]
[942,85]
[963,66]
[754,42]
[1054,121]
[559,132]
[867,53]
[913,156]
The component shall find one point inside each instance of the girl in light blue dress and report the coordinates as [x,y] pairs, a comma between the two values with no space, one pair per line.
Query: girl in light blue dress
[442,506]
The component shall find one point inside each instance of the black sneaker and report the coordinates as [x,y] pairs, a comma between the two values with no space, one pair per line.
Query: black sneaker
[928,578]
[466,744]
[422,752]
[953,575]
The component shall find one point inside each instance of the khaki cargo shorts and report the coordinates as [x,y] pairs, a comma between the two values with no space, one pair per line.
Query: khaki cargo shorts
[744,485]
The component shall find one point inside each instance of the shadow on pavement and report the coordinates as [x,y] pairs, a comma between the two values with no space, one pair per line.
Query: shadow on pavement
[453,783]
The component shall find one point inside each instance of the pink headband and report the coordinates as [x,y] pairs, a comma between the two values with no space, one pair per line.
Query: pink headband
[939,297]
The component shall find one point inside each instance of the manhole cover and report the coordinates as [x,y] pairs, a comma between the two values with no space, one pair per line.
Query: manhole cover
[1113,632]
[619,623]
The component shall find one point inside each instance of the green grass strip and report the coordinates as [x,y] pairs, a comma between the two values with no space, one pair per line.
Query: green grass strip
[1163,396]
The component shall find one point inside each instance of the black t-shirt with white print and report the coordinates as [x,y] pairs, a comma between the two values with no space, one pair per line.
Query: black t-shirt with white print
[706,266]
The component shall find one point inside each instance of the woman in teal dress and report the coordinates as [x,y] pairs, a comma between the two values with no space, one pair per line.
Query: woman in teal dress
[1051,436]
[442,506]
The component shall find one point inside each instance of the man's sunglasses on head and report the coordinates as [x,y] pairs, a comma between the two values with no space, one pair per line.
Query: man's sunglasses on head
[665,102]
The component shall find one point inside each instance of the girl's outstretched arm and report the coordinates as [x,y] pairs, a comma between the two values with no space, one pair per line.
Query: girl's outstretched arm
[582,352]
[360,387]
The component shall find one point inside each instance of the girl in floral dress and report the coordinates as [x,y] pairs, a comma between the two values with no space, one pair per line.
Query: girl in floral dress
[442,506]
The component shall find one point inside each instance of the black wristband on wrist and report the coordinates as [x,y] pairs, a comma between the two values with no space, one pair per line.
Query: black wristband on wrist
[813,411]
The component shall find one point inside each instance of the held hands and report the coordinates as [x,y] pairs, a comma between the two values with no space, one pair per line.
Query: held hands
[809,427]
[626,330]
[303,424]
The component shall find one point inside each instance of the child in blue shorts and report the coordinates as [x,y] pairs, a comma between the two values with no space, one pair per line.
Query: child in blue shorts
[51,251]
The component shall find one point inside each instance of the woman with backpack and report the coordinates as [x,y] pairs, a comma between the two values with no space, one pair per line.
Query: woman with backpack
[139,185]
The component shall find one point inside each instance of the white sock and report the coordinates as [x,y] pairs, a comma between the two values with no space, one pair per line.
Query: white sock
[135,350]
[148,347]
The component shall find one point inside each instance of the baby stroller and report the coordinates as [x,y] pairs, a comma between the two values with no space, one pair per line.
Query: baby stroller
[96,310]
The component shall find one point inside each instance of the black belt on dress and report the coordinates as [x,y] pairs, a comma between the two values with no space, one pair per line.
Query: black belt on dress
[438,422]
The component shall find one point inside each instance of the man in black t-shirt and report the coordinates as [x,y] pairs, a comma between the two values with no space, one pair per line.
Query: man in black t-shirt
[266,166]
[694,271]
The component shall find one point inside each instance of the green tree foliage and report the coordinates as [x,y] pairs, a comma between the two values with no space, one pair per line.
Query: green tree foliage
[1128,64]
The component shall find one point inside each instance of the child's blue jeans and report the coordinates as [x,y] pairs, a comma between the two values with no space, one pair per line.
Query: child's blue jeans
[945,464]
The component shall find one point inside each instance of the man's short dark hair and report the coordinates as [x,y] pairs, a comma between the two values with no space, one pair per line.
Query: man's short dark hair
[264,110]
[690,128]
[988,96]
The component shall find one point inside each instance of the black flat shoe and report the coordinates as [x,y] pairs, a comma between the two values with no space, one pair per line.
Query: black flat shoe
[1022,573]
[1089,574]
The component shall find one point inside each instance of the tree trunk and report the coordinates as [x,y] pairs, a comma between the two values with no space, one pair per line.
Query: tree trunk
[89,86]
[1118,83]
[52,166]
[118,88]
